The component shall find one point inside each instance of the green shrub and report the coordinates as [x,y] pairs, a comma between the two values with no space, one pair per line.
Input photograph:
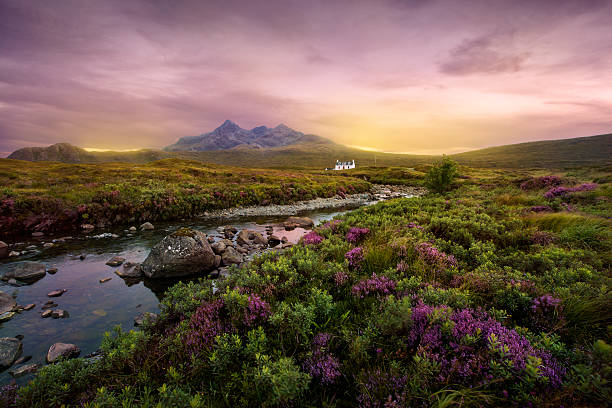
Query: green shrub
[441,176]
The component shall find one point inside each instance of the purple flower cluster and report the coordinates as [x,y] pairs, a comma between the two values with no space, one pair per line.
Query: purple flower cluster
[402,266]
[383,390]
[467,342]
[433,256]
[340,278]
[322,365]
[356,234]
[415,226]
[540,208]
[312,238]
[546,313]
[355,257]
[257,310]
[562,191]
[332,225]
[545,303]
[536,183]
[379,285]
[8,395]
[205,324]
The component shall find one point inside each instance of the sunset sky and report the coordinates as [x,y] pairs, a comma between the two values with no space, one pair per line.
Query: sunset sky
[404,76]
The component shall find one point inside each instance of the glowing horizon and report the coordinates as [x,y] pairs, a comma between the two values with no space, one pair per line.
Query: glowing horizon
[391,76]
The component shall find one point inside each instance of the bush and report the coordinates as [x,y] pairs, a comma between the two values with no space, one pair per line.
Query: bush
[440,177]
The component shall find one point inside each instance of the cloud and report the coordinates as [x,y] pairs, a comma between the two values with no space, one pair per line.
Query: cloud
[483,54]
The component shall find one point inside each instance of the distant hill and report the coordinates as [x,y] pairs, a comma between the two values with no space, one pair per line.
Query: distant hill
[229,135]
[579,151]
[314,152]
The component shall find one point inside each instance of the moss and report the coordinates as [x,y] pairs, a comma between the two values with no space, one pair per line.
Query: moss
[185,232]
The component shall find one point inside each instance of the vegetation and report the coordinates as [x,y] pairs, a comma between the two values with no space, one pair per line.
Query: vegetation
[38,196]
[493,294]
[441,176]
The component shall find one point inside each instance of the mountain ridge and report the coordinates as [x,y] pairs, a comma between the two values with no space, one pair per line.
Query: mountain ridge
[229,135]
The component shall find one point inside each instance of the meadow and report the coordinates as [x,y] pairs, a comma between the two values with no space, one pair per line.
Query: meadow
[48,197]
[495,292]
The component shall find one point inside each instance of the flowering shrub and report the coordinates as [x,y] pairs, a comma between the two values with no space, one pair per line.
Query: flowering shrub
[321,364]
[355,234]
[414,225]
[379,285]
[542,238]
[205,324]
[312,238]
[536,183]
[433,256]
[355,257]
[340,278]
[562,191]
[256,311]
[540,208]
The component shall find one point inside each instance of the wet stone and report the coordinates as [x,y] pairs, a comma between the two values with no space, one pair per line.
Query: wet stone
[115,261]
[57,293]
[105,280]
[46,313]
[24,370]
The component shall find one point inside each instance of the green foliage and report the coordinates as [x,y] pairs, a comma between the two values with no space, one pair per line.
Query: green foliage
[440,177]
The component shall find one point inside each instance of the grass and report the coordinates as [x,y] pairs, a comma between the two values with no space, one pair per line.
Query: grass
[457,302]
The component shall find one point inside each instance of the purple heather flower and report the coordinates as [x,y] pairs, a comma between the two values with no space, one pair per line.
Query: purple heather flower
[562,191]
[205,324]
[414,225]
[542,238]
[340,278]
[540,208]
[355,257]
[256,310]
[322,365]
[379,285]
[541,182]
[433,256]
[356,234]
[312,238]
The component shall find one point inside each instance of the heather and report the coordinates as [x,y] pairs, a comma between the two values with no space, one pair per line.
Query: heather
[461,298]
[55,196]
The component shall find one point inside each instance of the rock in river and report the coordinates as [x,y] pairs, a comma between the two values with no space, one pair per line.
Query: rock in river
[147,226]
[231,256]
[298,222]
[129,270]
[115,261]
[7,303]
[62,350]
[27,271]
[57,293]
[145,316]
[10,350]
[182,253]
[24,369]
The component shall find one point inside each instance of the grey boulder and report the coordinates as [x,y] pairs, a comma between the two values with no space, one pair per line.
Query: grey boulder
[27,271]
[7,303]
[65,350]
[10,350]
[183,253]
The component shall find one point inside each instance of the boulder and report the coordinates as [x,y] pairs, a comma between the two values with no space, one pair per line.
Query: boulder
[259,239]
[182,253]
[10,350]
[298,222]
[6,316]
[147,226]
[24,369]
[4,251]
[115,261]
[230,228]
[129,270]
[7,303]
[145,316]
[218,247]
[27,271]
[218,260]
[65,350]
[231,256]
[243,237]
[211,240]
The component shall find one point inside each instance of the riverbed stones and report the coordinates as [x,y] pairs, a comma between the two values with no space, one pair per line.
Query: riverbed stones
[147,226]
[59,314]
[10,350]
[5,317]
[4,251]
[38,234]
[129,271]
[243,237]
[46,313]
[258,239]
[218,259]
[65,350]
[273,240]
[104,280]
[13,253]
[211,239]
[183,253]
[231,256]
[218,247]
[29,306]
[145,317]
[24,370]
[132,229]
[57,293]
[87,227]
[27,271]
[7,303]
[52,271]
[115,261]
[298,222]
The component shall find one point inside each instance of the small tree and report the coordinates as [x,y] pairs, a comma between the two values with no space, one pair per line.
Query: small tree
[441,175]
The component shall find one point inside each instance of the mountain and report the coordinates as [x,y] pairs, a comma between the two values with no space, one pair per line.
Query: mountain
[579,151]
[67,153]
[229,135]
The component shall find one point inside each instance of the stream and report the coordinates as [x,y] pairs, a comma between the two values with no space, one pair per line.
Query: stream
[96,307]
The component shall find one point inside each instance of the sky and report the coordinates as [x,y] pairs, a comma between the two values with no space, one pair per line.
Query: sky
[411,76]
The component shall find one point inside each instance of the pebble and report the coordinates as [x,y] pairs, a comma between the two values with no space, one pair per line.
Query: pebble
[23,359]
[105,280]
[52,271]
[37,234]
[12,281]
[48,245]
[57,293]
[59,314]
[13,253]
[46,314]
[29,307]
[23,370]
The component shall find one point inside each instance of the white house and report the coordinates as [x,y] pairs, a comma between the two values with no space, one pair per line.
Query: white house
[344,165]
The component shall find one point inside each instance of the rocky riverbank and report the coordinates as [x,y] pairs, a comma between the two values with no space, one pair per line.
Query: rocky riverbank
[377,192]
